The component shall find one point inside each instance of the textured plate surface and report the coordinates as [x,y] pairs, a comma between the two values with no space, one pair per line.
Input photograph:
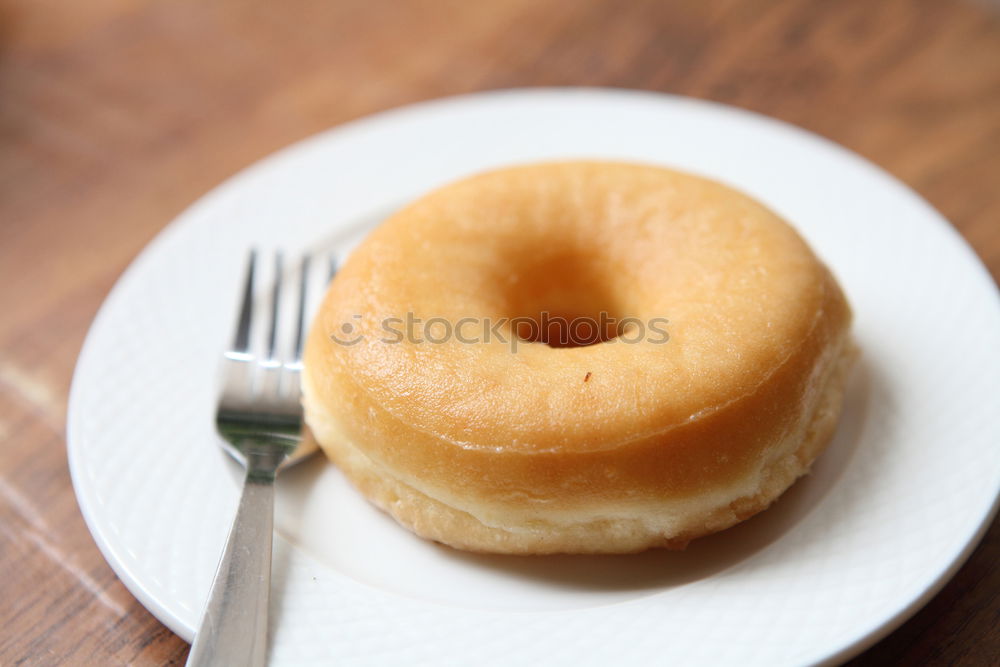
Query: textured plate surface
[891,510]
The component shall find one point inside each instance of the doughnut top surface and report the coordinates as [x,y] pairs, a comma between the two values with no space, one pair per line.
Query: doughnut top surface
[740,291]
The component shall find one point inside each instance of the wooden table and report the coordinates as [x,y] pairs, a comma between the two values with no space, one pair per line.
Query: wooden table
[116,114]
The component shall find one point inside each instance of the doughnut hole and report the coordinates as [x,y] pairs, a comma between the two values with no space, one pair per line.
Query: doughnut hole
[563,300]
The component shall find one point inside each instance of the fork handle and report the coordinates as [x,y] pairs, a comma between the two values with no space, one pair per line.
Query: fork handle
[234,628]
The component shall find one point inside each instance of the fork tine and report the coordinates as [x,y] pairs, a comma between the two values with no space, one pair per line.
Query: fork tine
[333,267]
[241,343]
[300,330]
[272,335]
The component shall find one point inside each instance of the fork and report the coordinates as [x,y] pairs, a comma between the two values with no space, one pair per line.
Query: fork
[259,417]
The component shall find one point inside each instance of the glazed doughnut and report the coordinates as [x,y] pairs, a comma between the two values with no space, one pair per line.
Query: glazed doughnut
[720,390]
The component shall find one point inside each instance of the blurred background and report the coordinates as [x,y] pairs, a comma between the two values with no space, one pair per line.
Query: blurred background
[116,114]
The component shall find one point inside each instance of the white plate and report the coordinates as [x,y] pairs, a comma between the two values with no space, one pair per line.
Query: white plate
[891,511]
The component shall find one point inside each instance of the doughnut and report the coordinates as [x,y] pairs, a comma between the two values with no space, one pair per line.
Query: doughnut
[710,378]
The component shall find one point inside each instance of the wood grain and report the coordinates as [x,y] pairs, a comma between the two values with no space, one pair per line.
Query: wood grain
[116,114]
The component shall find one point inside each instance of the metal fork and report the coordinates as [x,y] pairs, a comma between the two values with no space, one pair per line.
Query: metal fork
[259,417]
